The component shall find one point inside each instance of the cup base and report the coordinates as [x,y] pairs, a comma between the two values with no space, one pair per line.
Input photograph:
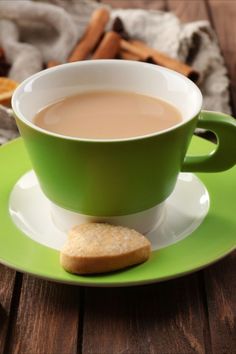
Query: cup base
[143,221]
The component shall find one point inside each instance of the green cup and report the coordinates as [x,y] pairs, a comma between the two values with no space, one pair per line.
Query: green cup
[124,181]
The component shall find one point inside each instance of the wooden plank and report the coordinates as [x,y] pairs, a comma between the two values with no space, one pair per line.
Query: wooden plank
[188,11]
[220,281]
[47,319]
[145,4]
[223,14]
[7,279]
[165,318]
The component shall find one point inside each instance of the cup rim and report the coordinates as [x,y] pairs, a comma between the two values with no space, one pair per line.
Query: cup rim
[60,67]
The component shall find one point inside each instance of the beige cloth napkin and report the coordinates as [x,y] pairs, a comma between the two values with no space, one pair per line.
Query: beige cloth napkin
[33,32]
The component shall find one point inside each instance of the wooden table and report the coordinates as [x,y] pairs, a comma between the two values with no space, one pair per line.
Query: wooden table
[193,314]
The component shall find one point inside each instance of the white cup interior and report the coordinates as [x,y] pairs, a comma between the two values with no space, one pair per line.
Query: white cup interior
[53,84]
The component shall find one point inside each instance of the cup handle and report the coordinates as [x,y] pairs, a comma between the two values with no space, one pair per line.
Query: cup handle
[223,156]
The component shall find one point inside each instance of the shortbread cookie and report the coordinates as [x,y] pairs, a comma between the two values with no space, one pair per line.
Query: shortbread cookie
[99,248]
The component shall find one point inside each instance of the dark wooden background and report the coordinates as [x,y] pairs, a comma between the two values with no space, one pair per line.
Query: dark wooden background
[193,314]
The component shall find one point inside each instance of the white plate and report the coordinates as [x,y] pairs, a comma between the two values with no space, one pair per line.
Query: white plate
[184,211]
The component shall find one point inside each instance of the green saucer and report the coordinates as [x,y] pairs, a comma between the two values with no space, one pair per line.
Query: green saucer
[213,239]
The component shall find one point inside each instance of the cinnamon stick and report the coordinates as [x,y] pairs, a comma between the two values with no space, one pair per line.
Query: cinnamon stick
[109,46]
[145,53]
[133,49]
[95,29]
[52,63]
[124,54]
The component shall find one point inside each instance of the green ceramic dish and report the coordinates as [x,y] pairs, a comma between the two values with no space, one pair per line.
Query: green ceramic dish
[214,239]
